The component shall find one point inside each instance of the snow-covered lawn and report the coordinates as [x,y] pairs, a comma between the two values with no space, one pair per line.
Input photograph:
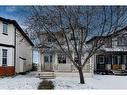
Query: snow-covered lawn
[97,82]
[27,81]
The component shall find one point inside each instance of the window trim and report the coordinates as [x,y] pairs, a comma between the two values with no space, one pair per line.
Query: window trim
[4,57]
[62,56]
[76,36]
[121,39]
[101,61]
[6,29]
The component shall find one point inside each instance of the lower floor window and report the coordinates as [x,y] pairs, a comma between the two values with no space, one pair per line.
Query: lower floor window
[4,57]
[48,58]
[76,58]
[117,59]
[62,58]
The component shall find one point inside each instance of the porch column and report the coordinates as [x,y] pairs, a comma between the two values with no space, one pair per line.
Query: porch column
[92,60]
[108,66]
[40,63]
[55,65]
[72,66]
[124,61]
[108,61]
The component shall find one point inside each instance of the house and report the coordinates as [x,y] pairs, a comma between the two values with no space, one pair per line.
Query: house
[15,48]
[112,56]
[54,60]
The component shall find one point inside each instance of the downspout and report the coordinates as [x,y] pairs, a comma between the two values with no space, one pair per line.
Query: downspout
[15,50]
[32,59]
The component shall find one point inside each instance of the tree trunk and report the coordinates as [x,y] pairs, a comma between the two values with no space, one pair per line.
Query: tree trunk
[81,76]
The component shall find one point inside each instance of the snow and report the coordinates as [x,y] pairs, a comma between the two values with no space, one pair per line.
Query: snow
[27,81]
[97,82]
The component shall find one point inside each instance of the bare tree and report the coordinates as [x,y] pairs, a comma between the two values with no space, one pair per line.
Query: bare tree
[83,22]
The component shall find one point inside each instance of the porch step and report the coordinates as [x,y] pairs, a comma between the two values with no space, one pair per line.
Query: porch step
[46,75]
[119,72]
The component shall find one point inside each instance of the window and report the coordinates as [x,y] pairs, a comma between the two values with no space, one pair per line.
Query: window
[4,57]
[49,40]
[5,28]
[109,43]
[117,59]
[76,58]
[76,36]
[101,59]
[51,58]
[122,41]
[62,58]
[46,59]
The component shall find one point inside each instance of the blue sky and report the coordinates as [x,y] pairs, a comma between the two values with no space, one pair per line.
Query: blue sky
[13,12]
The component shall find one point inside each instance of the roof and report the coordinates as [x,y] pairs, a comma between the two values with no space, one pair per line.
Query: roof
[111,35]
[94,38]
[18,27]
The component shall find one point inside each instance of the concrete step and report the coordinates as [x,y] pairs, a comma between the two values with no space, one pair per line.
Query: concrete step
[46,75]
[119,72]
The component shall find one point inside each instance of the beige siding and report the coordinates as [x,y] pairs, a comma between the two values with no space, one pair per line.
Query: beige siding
[23,50]
[68,67]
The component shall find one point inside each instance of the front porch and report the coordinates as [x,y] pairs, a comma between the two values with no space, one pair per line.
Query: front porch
[111,61]
[60,65]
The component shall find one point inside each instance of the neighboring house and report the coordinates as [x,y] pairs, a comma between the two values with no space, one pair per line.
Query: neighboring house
[113,54]
[53,60]
[15,48]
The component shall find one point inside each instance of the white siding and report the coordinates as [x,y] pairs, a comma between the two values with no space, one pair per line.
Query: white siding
[7,39]
[23,49]
[10,56]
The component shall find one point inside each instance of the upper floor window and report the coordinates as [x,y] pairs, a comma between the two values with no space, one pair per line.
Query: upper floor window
[50,40]
[109,43]
[122,41]
[5,28]
[76,36]
[4,57]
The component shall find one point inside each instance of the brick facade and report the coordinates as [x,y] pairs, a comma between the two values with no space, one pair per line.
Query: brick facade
[7,71]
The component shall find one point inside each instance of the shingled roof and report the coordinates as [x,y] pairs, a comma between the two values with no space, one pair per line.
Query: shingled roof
[111,35]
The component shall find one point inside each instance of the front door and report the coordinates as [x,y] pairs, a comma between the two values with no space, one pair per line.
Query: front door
[48,63]
[100,63]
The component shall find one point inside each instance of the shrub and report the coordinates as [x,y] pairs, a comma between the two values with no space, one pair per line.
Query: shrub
[45,84]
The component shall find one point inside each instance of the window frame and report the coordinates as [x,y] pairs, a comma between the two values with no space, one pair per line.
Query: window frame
[101,59]
[76,36]
[121,40]
[62,58]
[46,59]
[109,43]
[4,57]
[5,28]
